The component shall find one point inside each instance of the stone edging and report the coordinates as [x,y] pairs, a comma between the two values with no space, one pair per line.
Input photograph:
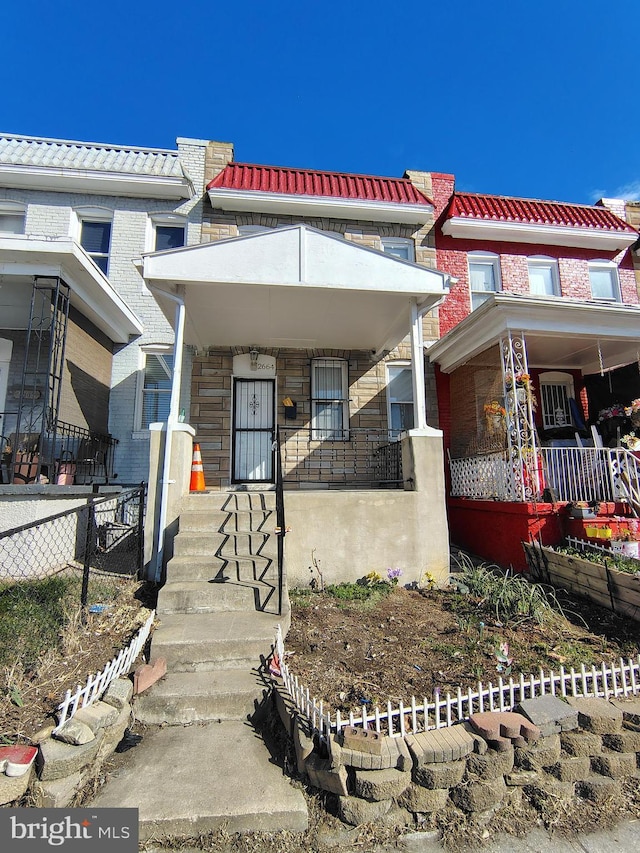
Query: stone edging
[583,747]
[73,756]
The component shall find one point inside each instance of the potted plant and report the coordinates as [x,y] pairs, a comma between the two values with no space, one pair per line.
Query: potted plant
[633,412]
[495,414]
[583,509]
[625,541]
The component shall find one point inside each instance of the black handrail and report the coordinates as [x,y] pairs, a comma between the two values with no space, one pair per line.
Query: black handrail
[280,519]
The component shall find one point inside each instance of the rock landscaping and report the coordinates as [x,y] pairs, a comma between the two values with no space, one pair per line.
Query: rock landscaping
[69,758]
[581,747]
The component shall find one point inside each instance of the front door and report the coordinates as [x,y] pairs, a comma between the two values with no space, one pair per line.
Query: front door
[253,430]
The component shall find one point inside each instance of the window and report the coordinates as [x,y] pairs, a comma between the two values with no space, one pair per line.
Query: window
[156,387]
[604,280]
[329,401]
[543,276]
[169,231]
[94,234]
[399,398]
[399,247]
[556,392]
[12,216]
[484,277]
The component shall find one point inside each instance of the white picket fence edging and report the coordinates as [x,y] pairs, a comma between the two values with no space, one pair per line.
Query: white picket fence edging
[604,681]
[97,684]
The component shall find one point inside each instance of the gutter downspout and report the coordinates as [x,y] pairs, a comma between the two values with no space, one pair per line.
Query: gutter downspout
[172,420]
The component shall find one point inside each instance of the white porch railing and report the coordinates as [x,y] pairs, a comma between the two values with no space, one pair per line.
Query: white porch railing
[571,473]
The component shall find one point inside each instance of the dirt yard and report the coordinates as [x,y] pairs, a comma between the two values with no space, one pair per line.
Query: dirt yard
[412,643]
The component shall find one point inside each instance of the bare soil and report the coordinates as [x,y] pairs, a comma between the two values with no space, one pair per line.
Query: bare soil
[414,642]
[28,701]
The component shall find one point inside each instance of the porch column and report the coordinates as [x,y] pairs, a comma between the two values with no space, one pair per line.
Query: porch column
[521,429]
[417,360]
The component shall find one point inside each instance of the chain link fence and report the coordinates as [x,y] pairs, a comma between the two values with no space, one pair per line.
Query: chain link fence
[77,560]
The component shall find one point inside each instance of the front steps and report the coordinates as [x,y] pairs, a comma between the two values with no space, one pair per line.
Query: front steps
[217,616]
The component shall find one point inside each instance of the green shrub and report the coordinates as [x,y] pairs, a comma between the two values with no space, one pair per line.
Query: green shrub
[510,597]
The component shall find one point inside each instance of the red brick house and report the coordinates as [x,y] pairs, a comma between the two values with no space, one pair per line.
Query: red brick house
[539,333]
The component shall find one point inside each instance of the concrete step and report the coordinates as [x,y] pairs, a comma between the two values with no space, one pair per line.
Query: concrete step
[228,522]
[193,780]
[196,697]
[246,569]
[197,596]
[225,544]
[207,641]
[230,501]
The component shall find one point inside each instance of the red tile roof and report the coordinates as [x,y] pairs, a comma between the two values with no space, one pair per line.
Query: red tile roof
[530,211]
[278,179]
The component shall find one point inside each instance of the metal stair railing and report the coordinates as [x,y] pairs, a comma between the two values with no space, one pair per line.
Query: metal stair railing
[281,530]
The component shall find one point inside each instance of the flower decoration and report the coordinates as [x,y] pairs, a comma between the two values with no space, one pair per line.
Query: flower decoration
[615,411]
[633,408]
[494,408]
[631,441]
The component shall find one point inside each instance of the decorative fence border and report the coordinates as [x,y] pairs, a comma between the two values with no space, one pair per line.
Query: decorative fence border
[98,683]
[622,679]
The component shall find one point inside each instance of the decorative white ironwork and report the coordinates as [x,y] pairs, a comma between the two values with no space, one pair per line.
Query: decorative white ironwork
[571,473]
[416,715]
[97,684]
[521,433]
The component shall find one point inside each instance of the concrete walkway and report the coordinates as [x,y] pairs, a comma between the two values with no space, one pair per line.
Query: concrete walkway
[195,779]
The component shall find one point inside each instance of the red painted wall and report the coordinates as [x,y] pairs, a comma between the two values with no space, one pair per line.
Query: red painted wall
[495,530]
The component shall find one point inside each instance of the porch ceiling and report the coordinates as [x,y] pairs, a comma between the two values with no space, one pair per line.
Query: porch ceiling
[558,333]
[292,287]
[23,257]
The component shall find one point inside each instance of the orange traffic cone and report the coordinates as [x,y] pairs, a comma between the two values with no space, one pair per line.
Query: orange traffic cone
[197,471]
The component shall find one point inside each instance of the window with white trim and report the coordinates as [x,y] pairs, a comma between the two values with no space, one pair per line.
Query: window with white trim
[12,217]
[329,399]
[155,387]
[603,277]
[94,234]
[399,247]
[399,398]
[484,276]
[556,392]
[168,230]
[543,276]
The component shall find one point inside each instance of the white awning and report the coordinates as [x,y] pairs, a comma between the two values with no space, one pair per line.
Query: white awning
[24,256]
[292,287]
[559,333]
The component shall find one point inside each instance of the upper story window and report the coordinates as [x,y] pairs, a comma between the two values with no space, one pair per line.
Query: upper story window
[12,217]
[399,398]
[155,387]
[94,234]
[399,247]
[484,277]
[329,399]
[603,277]
[543,276]
[168,231]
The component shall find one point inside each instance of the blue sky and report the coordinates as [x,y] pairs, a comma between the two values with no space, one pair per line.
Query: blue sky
[534,99]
